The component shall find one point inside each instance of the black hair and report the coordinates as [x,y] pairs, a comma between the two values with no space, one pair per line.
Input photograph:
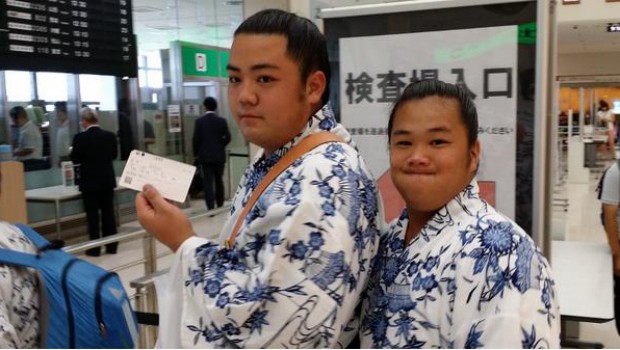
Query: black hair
[305,43]
[61,106]
[430,87]
[210,103]
[603,105]
[16,111]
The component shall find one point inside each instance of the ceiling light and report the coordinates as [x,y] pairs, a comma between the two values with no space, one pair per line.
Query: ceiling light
[613,27]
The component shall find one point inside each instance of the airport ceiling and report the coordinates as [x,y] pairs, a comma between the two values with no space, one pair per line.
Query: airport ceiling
[587,36]
[157,22]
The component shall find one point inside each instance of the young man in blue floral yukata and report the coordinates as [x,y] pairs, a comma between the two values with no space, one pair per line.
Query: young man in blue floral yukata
[452,272]
[294,275]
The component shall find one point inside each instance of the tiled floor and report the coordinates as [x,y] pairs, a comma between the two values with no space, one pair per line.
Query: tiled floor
[580,222]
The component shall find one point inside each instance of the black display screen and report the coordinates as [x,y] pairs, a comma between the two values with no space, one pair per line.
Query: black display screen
[71,36]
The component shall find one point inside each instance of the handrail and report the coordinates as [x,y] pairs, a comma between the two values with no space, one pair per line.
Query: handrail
[244,155]
[147,280]
[117,238]
[140,233]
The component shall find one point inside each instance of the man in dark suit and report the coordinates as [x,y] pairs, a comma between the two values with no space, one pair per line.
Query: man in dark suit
[211,135]
[95,149]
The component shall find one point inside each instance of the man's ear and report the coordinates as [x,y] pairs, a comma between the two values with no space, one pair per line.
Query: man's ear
[474,156]
[315,85]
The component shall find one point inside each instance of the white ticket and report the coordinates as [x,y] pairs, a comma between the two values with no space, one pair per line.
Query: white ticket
[171,178]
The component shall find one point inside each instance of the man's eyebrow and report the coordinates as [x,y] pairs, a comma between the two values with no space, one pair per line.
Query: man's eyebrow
[401,132]
[258,66]
[231,67]
[439,129]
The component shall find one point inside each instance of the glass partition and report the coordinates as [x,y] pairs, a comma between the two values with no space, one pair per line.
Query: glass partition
[53,101]
[52,86]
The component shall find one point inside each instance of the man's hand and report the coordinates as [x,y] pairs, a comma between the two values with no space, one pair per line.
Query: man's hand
[163,220]
[616,265]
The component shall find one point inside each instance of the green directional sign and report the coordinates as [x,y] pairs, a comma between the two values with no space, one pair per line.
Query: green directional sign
[199,62]
[224,55]
[527,33]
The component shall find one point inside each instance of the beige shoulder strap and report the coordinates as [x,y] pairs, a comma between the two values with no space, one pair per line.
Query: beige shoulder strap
[303,147]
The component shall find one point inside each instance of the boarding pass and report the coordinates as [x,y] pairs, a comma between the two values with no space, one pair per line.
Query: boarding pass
[171,178]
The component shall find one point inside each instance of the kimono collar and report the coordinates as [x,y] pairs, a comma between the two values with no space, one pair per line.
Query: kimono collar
[466,202]
[323,120]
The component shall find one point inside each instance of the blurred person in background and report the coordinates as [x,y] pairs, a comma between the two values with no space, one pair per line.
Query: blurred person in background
[211,135]
[63,132]
[30,142]
[94,149]
[607,118]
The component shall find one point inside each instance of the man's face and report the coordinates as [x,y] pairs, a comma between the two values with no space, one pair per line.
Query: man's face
[267,98]
[60,116]
[430,160]
[21,120]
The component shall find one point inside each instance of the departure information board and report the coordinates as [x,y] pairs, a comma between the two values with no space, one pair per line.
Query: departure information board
[72,36]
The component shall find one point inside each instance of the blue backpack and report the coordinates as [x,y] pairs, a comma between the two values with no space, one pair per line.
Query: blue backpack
[82,305]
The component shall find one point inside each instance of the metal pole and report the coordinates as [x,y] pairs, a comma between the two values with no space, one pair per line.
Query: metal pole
[542,209]
[150,255]
[4,112]
[230,174]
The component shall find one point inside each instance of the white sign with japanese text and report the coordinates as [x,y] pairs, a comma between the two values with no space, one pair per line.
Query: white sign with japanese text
[174,118]
[375,69]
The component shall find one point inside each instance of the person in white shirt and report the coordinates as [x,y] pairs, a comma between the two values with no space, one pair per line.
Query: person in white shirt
[30,144]
[610,199]
[452,272]
[607,118]
[63,132]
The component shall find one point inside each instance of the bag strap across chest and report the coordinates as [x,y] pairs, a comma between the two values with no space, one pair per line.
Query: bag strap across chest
[303,147]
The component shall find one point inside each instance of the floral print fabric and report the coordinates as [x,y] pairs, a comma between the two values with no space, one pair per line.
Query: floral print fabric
[19,298]
[472,278]
[295,274]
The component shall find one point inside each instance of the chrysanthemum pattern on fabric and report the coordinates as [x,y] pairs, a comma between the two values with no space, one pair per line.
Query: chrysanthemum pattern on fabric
[19,298]
[471,279]
[298,266]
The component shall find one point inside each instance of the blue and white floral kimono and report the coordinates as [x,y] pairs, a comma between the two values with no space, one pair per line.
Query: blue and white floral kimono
[472,278]
[19,296]
[301,259]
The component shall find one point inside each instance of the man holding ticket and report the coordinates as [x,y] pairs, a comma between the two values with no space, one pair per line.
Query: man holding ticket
[291,273]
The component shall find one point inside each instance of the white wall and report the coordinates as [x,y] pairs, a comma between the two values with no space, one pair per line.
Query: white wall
[253,6]
[588,10]
[301,8]
[597,63]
